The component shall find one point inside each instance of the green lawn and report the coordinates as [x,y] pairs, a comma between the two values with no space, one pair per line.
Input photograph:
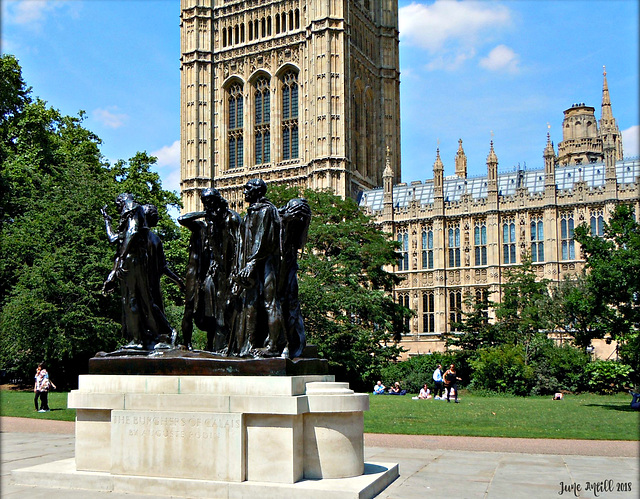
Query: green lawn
[585,416]
[20,404]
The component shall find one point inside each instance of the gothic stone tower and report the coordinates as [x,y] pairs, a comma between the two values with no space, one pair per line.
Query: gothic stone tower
[303,92]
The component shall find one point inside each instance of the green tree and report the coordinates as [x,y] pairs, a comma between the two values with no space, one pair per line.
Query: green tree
[475,330]
[344,289]
[54,254]
[521,313]
[613,277]
[572,310]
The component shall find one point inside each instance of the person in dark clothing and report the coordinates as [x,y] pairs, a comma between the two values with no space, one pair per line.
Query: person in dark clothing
[451,382]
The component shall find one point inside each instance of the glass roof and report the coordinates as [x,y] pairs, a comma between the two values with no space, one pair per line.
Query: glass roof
[627,171]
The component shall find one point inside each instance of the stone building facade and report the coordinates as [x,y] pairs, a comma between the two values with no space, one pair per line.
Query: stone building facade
[303,92]
[459,234]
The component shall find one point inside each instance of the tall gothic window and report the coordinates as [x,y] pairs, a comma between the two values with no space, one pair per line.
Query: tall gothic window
[480,243]
[537,240]
[455,307]
[566,237]
[290,116]
[454,247]
[509,241]
[235,138]
[597,223]
[427,248]
[428,312]
[403,262]
[262,131]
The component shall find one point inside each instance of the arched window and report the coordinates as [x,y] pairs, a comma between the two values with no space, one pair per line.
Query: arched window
[269,26]
[250,30]
[403,239]
[255,29]
[291,19]
[537,239]
[509,241]
[277,24]
[235,138]
[480,243]
[237,38]
[454,247]
[428,312]
[297,18]
[284,21]
[242,33]
[263,25]
[427,248]
[566,236]
[262,131]
[290,116]
[224,37]
[230,35]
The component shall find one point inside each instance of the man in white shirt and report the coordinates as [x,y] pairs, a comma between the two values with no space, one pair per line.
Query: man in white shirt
[438,383]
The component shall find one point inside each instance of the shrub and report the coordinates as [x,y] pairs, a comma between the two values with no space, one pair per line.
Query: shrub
[607,376]
[559,368]
[502,369]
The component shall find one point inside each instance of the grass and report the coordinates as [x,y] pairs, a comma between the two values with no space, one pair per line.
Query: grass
[583,416]
[20,404]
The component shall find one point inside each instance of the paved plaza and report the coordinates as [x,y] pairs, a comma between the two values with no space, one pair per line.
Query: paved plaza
[430,467]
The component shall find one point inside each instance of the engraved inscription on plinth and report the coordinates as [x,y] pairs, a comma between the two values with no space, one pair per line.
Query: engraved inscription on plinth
[208,446]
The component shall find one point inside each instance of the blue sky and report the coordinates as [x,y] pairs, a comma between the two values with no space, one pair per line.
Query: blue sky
[469,70]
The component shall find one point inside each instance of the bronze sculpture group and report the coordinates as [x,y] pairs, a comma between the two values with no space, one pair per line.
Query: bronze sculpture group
[241,283]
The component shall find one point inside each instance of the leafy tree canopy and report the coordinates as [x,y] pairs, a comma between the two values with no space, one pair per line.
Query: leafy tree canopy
[54,254]
[613,280]
[344,288]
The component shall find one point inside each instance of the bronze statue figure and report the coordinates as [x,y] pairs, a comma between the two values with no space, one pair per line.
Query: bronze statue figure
[296,216]
[258,324]
[212,250]
[143,322]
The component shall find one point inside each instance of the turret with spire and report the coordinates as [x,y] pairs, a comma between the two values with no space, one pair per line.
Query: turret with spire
[461,161]
[608,127]
[387,183]
[549,156]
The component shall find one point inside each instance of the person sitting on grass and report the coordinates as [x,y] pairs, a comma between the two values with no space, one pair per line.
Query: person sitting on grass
[395,389]
[425,393]
[379,388]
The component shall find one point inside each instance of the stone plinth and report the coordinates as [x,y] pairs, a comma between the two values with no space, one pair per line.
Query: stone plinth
[268,435]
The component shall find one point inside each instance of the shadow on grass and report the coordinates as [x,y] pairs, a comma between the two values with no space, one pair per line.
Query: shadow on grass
[611,407]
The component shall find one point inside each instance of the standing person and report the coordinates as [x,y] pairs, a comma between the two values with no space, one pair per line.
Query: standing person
[451,382]
[438,384]
[41,388]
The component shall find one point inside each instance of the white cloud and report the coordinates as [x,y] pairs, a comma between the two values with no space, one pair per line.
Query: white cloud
[169,165]
[450,62]
[501,58]
[30,12]
[445,22]
[109,117]
[631,141]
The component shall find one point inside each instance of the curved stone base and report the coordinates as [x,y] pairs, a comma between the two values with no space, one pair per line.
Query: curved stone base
[236,429]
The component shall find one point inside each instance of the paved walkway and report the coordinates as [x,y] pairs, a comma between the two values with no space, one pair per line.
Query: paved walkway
[430,466]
